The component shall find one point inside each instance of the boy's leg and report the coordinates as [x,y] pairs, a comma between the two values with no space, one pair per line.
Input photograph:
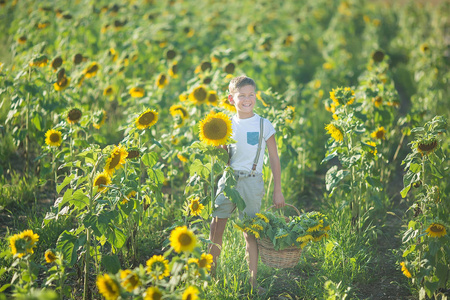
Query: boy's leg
[215,236]
[252,257]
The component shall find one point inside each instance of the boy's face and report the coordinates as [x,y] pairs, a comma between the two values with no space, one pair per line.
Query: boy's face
[244,100]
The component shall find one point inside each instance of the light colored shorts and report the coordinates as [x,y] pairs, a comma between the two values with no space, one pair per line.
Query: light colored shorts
[251,190]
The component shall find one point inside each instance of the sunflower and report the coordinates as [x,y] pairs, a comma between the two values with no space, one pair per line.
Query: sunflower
[133,153]
[229,68]
[42,25]
[378,56]
[116,159]
[23,243]
[424,48]
[288,40]
[40,61]
[77,59]
[436,230]
[130,280]
[198,95]
[205,261]
[137,92]
[225,103]
[259,95]
[182,239]
[196,207]
[173,70]
[189,31]
[405,270]
[305,238]
[251,231]
[335,132]
[50,256]
[183,97]
[373,144]
[74,116]
[191,293]
[56,63]
[342,96]
[379,133]
[426,147]
[108,91]
[377,101]
[61,83]
[101,180]
[108,287]
[91,70]
[290,111]
[162,81]
[153,293]
[99,119]
[257,227]
[131,195]
[22,39]
[262,217]
[170,54]
[113,54]
[147,119]
[203,67]
[158,267]
[215,129]
[53,138]
[213,99]
[182,158]
[179,110]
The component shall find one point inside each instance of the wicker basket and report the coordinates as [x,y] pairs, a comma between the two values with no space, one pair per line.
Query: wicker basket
[286,258]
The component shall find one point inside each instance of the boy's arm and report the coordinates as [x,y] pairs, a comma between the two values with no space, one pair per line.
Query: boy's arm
[278,198]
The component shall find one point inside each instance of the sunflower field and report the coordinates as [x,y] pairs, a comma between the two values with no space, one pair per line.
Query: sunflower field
[111,114]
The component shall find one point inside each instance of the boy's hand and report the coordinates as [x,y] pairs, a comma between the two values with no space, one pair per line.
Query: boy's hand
[278,199]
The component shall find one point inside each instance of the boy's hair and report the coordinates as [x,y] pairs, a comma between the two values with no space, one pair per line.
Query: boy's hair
[237,82]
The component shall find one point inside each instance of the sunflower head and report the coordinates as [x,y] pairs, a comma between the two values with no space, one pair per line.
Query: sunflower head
[91,70]
[158,267]
[99,119]
[53,138]
[379,134]
[182,239]
[23,243]
[225,103]
[179,110]
[129,280]
[74,116]
[173,70]
[229,68]
[77,59]
[198,95]
[196,207]
[137,92]
[191,293]
[378,56]
[335,132]
[215,129]
[101,181]
[205,261]
[342,96]
[56,63]
[108,287]
[436,230]
[133,153]
[147,119]
[171,54]
[116,159]
[425,147]
[108,91]
[50,256]
[153,293]
[405,269]
[213,99]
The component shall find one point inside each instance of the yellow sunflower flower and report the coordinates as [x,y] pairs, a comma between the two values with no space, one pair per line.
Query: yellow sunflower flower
[436,230]
[40,61]
[147,119]
[130,280]
[108,91]
[53,138]
[205,261]
[196,207]
[74,116]
[158,267]
[162,81]
[62,83]
[213,99]
[257,227]
[405,270]
[179,110]
[99,119]
[91,70]
[198,95]
[225,103]
[108,287]
[22,40]
[379,133]
[262,217]
[101,180]
[215,129]
[173,70]
[56,63]
[23,243]
[377,101]
[182,239]
[306,238]
[153,293]
[182,158]
[238,227]
[116,159]
[335,132]
[373,144]
[191,293]
[137,92]
[50,256]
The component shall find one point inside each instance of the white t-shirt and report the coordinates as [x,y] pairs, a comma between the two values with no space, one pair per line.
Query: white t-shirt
[246,135]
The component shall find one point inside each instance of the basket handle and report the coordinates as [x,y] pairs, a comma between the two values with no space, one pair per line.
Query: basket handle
[287,204]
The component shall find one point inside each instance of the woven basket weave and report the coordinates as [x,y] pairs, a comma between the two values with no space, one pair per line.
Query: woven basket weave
[286,258]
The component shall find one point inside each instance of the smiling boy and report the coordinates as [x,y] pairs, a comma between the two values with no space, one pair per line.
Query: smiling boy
[252,134]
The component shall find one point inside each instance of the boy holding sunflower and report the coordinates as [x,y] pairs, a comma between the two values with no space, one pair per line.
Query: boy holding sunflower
[252,134]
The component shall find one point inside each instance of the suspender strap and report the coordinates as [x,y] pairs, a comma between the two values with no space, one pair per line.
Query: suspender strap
[261,131]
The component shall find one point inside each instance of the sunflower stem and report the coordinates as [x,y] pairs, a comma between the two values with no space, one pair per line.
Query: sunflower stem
[211,185]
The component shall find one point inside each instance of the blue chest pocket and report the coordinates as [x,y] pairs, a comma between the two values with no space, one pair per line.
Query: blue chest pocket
[252,138]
